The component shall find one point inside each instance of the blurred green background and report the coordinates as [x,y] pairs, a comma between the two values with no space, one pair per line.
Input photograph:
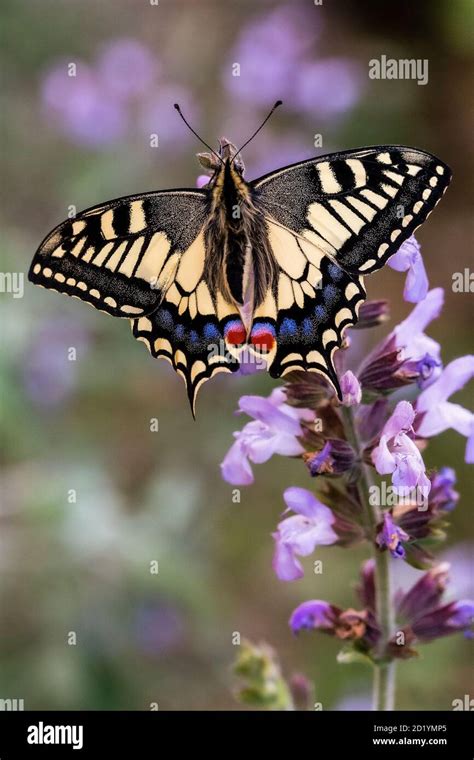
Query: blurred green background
[89,495]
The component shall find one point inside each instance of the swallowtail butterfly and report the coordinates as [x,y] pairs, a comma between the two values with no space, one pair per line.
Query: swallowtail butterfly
[274,267]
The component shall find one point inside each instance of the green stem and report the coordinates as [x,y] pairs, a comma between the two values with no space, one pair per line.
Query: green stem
[384,672]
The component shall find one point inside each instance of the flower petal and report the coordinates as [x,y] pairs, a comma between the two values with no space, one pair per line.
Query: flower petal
[401,420]
[382,458]
[267,412]
[420,317]
[285,564]
[351,390]
[304,502]
[235,467]
[408,259]
[446,415]
[454,377]
[315,613]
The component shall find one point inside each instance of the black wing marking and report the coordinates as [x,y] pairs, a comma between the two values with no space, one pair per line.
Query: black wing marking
[121,255]
[357,206]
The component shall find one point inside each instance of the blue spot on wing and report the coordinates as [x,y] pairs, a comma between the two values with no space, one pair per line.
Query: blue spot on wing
[330,293]
[211,332]
[179,332]
[164,319]
[321,313]
[288,329]
[309,330]
[335,272]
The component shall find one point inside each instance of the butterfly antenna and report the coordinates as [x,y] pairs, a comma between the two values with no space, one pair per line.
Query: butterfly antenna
[278,103]
[195,133]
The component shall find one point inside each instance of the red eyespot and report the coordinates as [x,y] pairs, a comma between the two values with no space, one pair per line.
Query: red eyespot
[235,333]
[262,337]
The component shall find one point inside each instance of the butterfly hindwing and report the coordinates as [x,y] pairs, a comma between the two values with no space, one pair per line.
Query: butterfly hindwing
[356,206]
[120,256]
[314,301]
[191,329]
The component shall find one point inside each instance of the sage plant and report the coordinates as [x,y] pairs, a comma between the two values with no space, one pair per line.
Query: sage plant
[365,456]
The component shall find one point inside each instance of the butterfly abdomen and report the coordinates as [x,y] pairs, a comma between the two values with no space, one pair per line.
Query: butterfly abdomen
[237,241]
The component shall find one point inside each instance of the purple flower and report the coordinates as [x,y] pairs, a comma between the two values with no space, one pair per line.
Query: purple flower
[327,87]
[443,495]
[347,625]
[351,390]
[390,537]
[439,414]
[443,621]
[126,68]
[424,615]
[398,455]
[408,259]
[299,534]
[426,594]
[410,336]
[262,73]
[80,108]
[314,614]
[462,614]
[275,430]
[406,354]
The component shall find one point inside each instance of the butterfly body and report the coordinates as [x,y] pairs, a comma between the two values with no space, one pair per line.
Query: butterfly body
[272,267]
[241,264]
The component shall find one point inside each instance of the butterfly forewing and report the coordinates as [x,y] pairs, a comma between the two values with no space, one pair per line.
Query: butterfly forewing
[356,206]
[121,256]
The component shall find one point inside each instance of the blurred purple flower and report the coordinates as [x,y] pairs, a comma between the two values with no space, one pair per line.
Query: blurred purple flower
[49,375]
[408,259]
[439,414]
[391,536]
[80,108]
[301,533]
[397,454]
[90,106]
[263,74]
[275,430]
[327,87]
[351,390]
[443,495]
[126,68]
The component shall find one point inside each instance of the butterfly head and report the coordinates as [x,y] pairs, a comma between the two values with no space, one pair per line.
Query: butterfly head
[227,152]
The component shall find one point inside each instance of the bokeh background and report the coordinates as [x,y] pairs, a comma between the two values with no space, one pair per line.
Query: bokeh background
[89,495]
